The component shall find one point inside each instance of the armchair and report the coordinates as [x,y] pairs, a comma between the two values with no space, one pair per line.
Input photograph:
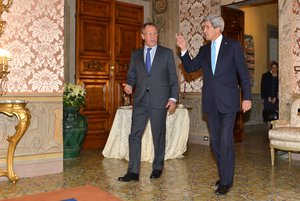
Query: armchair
[285,135]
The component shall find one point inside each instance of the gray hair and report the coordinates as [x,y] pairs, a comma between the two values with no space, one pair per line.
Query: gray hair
[216,21]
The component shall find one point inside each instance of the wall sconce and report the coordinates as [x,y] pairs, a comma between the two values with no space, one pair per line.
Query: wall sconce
[5,56]
[4,7]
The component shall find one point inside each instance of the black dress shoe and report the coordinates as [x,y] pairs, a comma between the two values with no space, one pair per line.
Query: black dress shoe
[222,189]
[155,174]
[217,184]
[129,177]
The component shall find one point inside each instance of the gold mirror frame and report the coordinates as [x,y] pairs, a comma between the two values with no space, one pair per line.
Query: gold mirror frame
[4,7]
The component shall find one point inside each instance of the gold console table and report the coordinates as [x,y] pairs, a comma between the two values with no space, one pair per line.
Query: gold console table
[14,108]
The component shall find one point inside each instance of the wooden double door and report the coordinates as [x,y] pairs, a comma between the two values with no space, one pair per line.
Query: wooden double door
[106,33]
[234,28]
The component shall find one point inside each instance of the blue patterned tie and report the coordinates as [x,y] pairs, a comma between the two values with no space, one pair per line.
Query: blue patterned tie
[148,59]
[213,56]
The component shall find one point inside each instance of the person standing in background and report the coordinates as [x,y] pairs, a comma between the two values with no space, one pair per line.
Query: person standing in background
[222,62]
[152,76]
[269,93]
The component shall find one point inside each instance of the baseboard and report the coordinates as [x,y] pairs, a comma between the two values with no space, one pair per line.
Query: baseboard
[199,138]
[255,127]
[32,167]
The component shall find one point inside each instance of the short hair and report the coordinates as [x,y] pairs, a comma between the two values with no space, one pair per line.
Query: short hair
[148,24]
[273,63]
[216,21]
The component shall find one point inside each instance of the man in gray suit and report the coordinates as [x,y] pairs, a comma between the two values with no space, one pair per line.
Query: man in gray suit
[223,65]
[152,76]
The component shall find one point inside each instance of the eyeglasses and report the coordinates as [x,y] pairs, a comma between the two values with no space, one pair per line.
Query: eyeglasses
[150,34]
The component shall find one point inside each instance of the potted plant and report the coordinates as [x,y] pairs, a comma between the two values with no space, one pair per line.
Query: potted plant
[74,123]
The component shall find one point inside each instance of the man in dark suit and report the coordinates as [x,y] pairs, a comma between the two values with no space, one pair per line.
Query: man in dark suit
[222,62]
[152,76]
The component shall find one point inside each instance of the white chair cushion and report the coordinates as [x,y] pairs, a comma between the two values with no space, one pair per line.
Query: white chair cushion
[284,145]
[290,134]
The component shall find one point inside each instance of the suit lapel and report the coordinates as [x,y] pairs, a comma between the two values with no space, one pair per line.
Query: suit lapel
[156,58]
[141,57]
[222,50]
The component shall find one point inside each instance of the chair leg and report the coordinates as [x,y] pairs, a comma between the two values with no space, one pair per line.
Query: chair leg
[272,155]
[290,156]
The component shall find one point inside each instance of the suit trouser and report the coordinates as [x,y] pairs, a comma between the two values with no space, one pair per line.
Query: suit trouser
[140,115]
[222,143]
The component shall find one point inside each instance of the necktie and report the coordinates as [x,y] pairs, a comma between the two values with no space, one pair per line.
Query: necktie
[213,56]
[148,59]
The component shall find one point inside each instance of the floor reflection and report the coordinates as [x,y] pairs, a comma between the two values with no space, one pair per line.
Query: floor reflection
[188,178]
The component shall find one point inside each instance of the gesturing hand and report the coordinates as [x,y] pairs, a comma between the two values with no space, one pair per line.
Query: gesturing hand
[180,41]
[127,88]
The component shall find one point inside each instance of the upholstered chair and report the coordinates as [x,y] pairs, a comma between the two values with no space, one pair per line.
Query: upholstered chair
[285,135]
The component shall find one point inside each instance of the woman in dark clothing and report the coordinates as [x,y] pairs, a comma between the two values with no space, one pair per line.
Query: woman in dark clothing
[269,91]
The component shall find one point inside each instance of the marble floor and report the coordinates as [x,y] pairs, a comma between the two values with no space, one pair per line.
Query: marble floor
[189,178]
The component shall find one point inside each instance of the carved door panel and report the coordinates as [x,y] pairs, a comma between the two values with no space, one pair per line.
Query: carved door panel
[234,28]
[129,19]
[106,33]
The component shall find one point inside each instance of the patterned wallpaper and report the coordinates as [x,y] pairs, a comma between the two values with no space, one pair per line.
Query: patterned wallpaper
[192,13]
[296,43]
[34,35]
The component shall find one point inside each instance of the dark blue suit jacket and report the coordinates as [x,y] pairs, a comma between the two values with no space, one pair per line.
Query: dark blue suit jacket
[223,86]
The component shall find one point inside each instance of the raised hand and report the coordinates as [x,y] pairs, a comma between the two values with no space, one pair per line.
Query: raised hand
[180,42]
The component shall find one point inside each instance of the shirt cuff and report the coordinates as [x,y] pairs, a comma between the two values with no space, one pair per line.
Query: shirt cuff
[183,52]
[173,99]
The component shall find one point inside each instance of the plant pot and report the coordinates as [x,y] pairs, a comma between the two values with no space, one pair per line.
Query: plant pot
[74,131]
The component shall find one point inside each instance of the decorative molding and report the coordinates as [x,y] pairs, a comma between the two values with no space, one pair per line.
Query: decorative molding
[160,6]
[160,18]
[94,65]
[227,2]
[198,125]
[44,134]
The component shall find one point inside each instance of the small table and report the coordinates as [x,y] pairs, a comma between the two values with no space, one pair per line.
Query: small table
[17,108]
[177,133]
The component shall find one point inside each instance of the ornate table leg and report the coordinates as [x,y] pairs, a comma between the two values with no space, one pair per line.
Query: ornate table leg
[18,109]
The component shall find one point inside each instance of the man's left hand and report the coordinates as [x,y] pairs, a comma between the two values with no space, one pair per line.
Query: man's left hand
[171,105]
[246,105]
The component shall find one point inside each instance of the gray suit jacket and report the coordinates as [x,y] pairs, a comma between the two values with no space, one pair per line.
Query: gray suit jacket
[161,82]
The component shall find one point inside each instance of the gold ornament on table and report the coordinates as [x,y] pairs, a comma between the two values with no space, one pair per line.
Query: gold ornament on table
[4,7]
[5,56]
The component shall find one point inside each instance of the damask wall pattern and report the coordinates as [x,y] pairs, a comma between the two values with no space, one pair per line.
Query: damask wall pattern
[192,13]
[34,35]
[296,43]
